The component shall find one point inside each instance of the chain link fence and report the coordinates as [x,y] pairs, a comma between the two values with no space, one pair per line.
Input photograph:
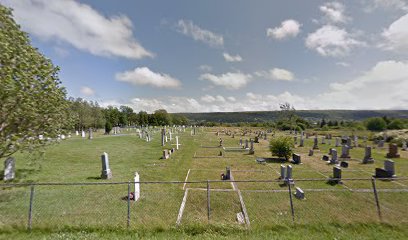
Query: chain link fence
[246,204]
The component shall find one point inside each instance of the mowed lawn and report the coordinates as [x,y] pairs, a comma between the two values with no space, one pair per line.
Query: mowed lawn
[95,211]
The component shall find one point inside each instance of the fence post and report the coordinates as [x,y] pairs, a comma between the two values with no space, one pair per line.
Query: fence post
[128,206]
[376,198]
[208,200]
[30,209]
[291,201]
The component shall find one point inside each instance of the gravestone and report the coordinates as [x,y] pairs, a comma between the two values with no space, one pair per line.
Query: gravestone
[220,142]
[77,133]
[336,175]
[90,134]
[325,158]
[256,139]
[393,151]
[282,172]
[295,139]
[240,141]
[315,143]
[349,143]
[83,134]
[137,187]
[177,143]
[380,144]
[296,158]
[345,151]
[344,164]
[289,178]
[387,172]
[106,172]
[252,150]
[165,154]
[323,140]
[246,144]
[299,193]
[355,141]
[9,169]
[367,156]
[404,146]
[163,132]
[337,142]
[334,159]
[301,143]
[227,175]
[265,138]
[310,152]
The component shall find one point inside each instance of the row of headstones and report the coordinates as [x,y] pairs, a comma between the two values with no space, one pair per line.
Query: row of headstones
[250,148]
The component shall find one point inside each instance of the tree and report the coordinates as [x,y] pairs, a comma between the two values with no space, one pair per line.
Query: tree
[143,118]
[376,124]
[32,101]
[162,118]
[281,146]
[396,124]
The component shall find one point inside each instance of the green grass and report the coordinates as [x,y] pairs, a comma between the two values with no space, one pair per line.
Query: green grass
[98,211]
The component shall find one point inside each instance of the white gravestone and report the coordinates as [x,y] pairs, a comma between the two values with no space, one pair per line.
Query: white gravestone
[9,169]
[106,172]
[137,187]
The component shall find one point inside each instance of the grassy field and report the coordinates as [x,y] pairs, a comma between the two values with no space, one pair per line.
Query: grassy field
[93,211]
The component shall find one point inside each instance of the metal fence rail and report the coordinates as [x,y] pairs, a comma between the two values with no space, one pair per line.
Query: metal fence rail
[254,203]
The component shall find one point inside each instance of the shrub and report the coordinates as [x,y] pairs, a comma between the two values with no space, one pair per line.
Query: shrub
[281,147]
[376,124]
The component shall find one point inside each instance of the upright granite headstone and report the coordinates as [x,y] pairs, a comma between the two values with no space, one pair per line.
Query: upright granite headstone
[393,151]
[9,169]
[367,156]
[106,172]
[336,175]
[310,152]
[282,172]
[345,151]
[90,134]
[315,143]
[299,193]
[389,167]
[289,177]
[252,150]
[337,142]
[334,159]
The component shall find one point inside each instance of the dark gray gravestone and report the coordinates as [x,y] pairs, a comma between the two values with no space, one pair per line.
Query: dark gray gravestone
[106,172]
[344,164]
[367,155]
[296,158]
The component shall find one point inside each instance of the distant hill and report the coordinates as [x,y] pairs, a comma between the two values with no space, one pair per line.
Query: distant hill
[234,117]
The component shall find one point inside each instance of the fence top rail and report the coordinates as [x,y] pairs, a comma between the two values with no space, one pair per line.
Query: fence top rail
[191,182]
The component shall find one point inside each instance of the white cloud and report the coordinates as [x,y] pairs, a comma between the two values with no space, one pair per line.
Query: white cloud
[231,99]
[205,68]
[144,76]
[229,80]
[396,35]
[188,28]
[87,91]
[382,87]
[386,4]
[276,74]
[332,41]
[334,12]
[79,25]
[343,64]
[231,58]
[288,28]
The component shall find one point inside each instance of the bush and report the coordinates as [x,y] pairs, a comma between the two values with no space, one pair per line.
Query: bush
[376,124]
[108,127]
[281,147]
[396,124]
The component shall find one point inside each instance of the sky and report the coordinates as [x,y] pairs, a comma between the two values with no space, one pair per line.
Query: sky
[225,55]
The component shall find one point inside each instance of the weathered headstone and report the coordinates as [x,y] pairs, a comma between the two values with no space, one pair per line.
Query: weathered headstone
[163,133]
[393,151]
[299,193]
[337,142]
[90,134]
[310,152]
[333,159]
[301,142]
[240,141]
[77,133]
[296,158]
[83,134]
[289,178]
[325,158]
[251,149]
[9,169]
[344,164]
[345,151]
[367,155]
[106,172]
[315,143]
[404,146]
[295,139]
[389,167]
[380,143]
[165,154]
[323,140]
[246,144]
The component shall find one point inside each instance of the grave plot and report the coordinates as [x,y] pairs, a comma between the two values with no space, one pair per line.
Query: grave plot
[207,174]
[340,206]
[209,153]
[393,206]
[268,208]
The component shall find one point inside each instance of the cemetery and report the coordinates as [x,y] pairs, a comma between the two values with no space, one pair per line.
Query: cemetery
[194,185]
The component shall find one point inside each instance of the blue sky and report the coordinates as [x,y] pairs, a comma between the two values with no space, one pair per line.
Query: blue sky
[213,55]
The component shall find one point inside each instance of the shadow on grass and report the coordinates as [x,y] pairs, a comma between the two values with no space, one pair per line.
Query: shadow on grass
[93,178]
